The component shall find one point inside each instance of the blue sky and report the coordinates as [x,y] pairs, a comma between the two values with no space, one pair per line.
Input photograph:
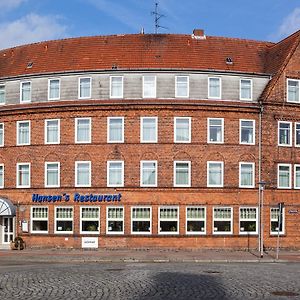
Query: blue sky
[26,21]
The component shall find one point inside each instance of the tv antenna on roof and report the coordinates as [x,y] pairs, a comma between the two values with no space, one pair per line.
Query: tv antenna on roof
[157,17]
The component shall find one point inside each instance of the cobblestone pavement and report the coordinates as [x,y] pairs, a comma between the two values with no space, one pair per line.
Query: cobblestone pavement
[150,281]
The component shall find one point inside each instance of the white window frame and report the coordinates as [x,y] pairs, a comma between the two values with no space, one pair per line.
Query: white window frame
[76,131]
[63,219]
[290,175]
[32,219]
[290,134]
[142,127]
[58,174]
[189,173]
[295,177]
[3,170]
[29,133]
[220,219]
[251,89]
[253,122]
[190,130]
[296,123]
[3,85]
[122,173]
[108,130]
[242,232]
[115,219]
[49,85]
[110,85]
[220,80]
[240,174]
[76,173]
[141,173]
[287,90]
[3,136]
[79,90]
[195,219]
[89,219]
[177,220]
[282,232]
[155,86]
[58,132]
[187,88]
[142,219]
[21,91]
[29,175]
[222,173]
[208,131]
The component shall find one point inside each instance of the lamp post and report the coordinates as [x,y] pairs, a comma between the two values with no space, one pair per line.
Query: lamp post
[261,185]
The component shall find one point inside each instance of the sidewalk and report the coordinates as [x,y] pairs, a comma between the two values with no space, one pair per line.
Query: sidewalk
[143,255]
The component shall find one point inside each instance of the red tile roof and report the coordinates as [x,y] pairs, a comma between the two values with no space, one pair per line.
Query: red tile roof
[137,51]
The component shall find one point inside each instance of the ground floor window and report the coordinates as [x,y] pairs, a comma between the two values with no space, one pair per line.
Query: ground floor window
[168,220]
[222,220]
[64,219]
[89,220]
[115,220]
[274,218]
[39,219]
[141,220]
[195,220]
[248,220]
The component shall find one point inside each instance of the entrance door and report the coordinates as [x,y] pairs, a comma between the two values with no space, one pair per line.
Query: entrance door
[8,229]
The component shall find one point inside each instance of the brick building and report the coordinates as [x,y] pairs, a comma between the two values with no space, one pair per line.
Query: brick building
[150,141]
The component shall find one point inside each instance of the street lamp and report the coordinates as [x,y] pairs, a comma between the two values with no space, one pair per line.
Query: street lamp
[261,187]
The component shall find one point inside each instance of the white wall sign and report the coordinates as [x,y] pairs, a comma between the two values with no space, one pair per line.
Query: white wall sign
[89,242]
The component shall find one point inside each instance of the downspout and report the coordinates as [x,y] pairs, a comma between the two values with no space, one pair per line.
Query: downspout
[260,227]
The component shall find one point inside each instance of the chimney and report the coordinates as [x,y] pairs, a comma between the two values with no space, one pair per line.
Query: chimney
[198,34]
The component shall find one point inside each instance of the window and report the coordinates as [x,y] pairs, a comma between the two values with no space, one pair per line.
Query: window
[274,219]
[85,89]
[297,177]
[247,132]
[214,87]
[115,130]
[215,173]
[52,131]
[63,220]
[181,86]
[89,220]
[222,220]
[83,130]
[284,133]
[168,220]
[297,134]
[182,130]
[148,173]
[293,90]
[82,173]
[23,133]
[195,220]
[115,173]
[115,220]
[1,134]
[148,129]
[116,87]
[284,176]
[149,86]
[215,130]
[54,89]
[25,93]
[246,175]
[141,220]
[52,174]
[246,89]
[1,176]
[23,175]
[2,94]
[39,219]
[248,220]
[182,173]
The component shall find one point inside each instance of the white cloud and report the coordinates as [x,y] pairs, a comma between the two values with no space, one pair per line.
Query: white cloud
[7,5]
[29,29]
[289,25]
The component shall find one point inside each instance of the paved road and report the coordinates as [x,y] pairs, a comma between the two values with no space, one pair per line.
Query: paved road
[149,281]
